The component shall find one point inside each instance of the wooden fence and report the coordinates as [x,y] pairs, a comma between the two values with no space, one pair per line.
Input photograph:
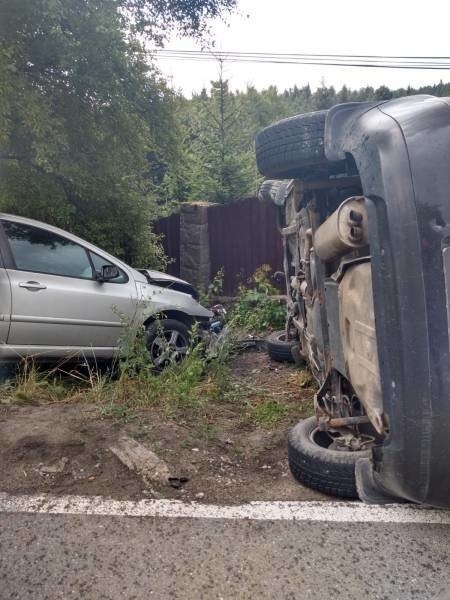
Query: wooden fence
[169,230]
[242,236]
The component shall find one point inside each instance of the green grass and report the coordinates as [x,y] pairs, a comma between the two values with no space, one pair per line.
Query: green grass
[116,412]
[257,309]
[268,413]
[187,388]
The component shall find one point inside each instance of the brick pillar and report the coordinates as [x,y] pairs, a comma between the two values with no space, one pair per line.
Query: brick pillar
[195,265]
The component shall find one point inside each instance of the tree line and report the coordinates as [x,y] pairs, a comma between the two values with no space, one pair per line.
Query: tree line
[93,140]
[219,126]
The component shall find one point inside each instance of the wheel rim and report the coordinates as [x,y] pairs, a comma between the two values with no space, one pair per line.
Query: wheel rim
[326,441]
[168,348]
[320,438]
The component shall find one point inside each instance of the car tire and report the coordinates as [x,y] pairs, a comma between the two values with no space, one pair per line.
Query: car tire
[285,148]
[168,342]
[278,348]
[319,468]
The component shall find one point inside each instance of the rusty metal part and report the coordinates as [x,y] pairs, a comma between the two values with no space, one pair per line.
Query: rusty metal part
[337,422]
[349,441]
[326,184]
[290,230]
[289,301]
[335,398]
[340,412]
[346,229]
[307,262]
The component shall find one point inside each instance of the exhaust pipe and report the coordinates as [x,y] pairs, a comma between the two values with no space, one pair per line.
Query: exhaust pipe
[346,229]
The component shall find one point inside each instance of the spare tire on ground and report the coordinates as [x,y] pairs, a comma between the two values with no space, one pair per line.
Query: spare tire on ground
[316,466]
[292,147]
[278,348]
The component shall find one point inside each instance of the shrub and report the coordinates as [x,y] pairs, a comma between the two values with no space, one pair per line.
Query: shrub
[256,308]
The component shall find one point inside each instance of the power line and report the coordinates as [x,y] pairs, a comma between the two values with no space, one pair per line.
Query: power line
[333,60]
[321,63]
[230,52]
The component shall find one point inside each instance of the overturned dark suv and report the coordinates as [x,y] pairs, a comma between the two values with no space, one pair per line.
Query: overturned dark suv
[363,191]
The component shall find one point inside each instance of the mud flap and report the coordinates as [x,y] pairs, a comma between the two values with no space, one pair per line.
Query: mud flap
[369,490]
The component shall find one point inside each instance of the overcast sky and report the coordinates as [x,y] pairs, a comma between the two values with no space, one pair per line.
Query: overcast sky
[398,27]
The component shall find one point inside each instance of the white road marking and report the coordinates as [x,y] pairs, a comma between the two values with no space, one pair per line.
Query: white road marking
[337,512]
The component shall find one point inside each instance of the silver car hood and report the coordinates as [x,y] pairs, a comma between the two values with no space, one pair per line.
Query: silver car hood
[167,292]
[159,276]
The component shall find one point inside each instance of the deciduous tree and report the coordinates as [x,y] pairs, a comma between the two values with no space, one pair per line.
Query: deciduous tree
[87,133]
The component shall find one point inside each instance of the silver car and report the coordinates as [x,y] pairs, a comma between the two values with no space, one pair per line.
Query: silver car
[61,297]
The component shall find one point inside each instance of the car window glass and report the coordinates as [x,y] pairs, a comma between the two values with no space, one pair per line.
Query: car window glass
[99,262]
[41,251]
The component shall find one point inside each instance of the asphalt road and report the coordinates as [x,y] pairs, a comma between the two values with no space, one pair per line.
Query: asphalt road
[100,557]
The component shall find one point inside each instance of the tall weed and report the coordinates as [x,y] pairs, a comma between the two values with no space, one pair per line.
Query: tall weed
[256,308]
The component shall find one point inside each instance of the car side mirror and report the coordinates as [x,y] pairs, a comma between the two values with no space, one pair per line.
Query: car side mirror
[108,272]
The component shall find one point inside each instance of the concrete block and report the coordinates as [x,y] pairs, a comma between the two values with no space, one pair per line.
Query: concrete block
[141,460]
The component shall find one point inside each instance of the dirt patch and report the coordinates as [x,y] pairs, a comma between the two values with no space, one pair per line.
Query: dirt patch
[233,451]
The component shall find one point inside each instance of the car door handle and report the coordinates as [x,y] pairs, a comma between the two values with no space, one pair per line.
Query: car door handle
[32,286]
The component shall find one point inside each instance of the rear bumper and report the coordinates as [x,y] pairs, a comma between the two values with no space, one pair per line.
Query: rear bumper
[401,149]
